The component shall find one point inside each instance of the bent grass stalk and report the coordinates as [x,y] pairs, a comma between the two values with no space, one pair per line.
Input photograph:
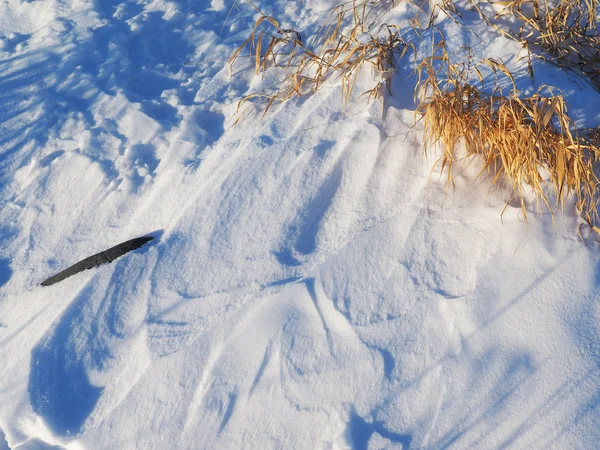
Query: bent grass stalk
[340,49]
[519,137]
[527,140]
[564,33]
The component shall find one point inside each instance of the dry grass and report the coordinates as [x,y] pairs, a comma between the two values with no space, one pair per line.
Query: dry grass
[564,33]
[530,140]
[346,43]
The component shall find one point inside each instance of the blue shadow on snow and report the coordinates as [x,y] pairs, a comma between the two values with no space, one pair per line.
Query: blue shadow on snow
[361,432]
[5,271]
[59,388]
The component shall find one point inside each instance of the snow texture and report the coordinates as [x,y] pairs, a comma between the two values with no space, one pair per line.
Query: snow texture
[312,287]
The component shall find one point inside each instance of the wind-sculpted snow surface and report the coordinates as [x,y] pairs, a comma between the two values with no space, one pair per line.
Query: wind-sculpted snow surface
[314,286]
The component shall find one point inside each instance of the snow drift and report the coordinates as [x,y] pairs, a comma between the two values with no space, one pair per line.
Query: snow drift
[313,286]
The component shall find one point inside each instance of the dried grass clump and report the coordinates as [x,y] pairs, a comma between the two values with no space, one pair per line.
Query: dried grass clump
[564,33]
[346,43]
[530,140]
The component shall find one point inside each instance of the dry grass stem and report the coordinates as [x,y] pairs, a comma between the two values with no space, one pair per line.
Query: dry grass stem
[340,49]
[530,140]
[564,33]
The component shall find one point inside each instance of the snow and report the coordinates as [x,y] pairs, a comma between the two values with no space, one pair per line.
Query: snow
[310,285]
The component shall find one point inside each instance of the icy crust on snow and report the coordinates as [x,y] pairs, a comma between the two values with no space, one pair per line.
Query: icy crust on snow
[310,285]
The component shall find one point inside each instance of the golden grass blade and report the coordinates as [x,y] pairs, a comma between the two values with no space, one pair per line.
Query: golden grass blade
[517,137]
[334,53]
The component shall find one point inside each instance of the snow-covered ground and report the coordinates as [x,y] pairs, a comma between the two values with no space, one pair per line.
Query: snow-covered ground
[309,285]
